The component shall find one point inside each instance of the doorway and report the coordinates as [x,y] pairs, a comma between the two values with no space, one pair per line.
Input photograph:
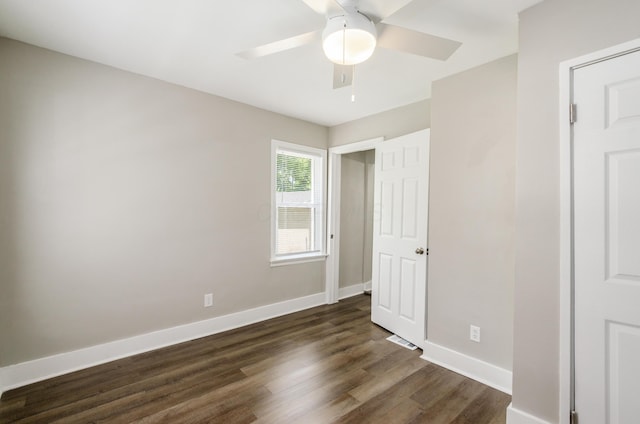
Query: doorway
[356,223]
[334,288]
[399,214]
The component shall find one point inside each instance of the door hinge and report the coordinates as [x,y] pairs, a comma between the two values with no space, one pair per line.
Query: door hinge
[573,417]
[573,113]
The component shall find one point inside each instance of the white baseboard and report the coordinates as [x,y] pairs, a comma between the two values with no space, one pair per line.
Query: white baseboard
[367,286]
[484,372]
[516,416]
[24,373]
[352,290]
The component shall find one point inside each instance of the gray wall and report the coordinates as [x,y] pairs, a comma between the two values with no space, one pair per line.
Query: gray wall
[356,217]
[550,33]
[369,174]
[389,124]
[352,218]
[124,199]
[471,211]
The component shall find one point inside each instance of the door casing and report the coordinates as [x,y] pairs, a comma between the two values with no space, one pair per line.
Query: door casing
[332,264]
[566,335]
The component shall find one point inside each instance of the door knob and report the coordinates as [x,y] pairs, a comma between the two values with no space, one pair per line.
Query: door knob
[420,251]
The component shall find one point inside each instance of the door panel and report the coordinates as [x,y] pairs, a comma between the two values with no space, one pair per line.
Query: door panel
[622,105]
[623,351]
[410,208]
[623,215]
[384,283]
[607,241]
[386,208]
[400,227]
[407,289]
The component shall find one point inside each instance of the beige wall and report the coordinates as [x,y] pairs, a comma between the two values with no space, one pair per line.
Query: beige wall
[369,174]
[471,211]
[389,124]
[356,217]
[352,215]
[124,199]
[550,33]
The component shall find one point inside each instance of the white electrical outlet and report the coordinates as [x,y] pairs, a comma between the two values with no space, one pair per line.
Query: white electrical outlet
[208,300]
[474,333]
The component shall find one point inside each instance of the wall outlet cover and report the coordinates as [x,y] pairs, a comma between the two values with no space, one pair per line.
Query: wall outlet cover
[474,333]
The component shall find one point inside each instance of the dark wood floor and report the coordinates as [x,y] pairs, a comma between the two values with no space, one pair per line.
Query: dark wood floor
[323,365]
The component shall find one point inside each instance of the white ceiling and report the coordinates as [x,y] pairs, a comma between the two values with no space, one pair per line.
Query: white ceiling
[194,43]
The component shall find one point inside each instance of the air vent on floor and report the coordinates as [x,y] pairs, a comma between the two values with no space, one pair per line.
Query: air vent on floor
[402,342]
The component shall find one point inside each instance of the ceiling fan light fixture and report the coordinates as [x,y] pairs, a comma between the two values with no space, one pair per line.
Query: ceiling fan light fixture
[349,39]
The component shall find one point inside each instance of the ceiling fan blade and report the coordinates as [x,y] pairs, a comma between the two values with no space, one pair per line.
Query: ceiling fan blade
[324,7]
[409,41]
[377,10]
[280,45]
[342,75]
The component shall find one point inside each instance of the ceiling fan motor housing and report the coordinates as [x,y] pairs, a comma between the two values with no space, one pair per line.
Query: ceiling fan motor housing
[349,39]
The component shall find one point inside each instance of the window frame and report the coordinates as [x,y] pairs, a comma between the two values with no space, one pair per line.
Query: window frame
[320,233]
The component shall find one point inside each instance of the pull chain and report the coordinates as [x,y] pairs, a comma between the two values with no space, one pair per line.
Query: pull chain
[353,83]
[344,43]
[353,68]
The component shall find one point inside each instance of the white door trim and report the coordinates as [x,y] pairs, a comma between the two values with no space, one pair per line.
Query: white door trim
[566,217]
[332,265]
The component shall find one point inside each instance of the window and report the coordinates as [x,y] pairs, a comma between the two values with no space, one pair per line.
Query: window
[298,189]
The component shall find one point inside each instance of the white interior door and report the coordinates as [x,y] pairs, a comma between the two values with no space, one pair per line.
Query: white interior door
[607,241]
[399,275]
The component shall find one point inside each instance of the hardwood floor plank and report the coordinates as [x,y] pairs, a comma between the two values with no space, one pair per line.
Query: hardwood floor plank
[330,412]
[10,406]
[392,376]
[451,403]
[229,402]
[322,365]
[391,360]
[404,411]
[305,398]
[440,384]
[483,408]
[388,399]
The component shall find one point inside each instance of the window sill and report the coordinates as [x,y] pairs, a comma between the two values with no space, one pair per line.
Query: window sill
[298,259]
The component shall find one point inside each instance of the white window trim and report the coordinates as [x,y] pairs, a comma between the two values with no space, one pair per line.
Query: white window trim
[296,258]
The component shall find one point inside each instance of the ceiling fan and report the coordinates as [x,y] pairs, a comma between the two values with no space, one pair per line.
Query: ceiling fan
[354,28]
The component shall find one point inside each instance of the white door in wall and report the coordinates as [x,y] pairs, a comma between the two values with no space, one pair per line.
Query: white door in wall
[399,275]
[607,241]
